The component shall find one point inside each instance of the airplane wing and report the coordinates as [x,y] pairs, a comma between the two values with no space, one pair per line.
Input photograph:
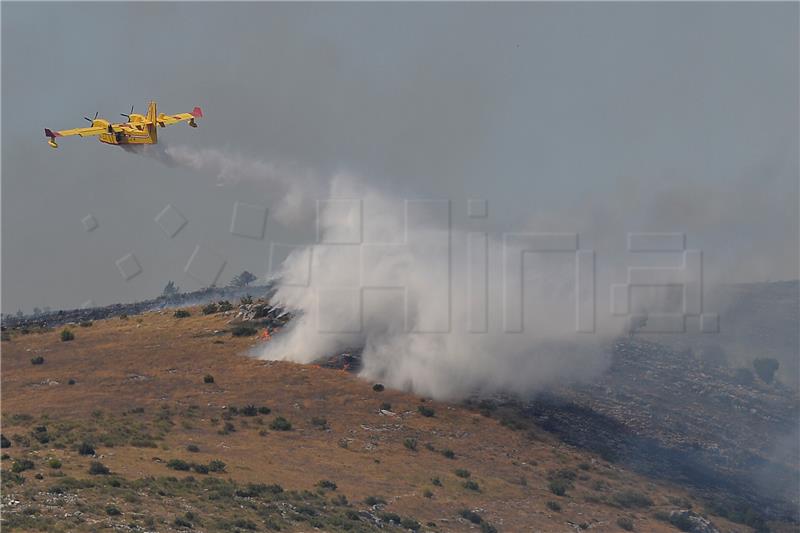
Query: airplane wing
[165,120]
[83,132]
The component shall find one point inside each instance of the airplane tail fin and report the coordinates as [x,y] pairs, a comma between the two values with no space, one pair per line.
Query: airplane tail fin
[152,126]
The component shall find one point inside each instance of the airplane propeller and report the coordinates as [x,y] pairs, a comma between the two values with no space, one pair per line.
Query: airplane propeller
[128,116]
[95,117]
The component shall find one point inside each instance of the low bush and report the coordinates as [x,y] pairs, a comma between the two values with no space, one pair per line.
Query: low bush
[54,463]
[67,335]
[249,410]
[625,523]
[113,511]
[410,443]
[631,498]
[386,406]
[461,472]
[182,313]
[319,422]
[374,500]
[243,331]
[426,411]
[472,516]
[224,306]
[38,360]
[264,410]
[208,378]
[193,448]
[4,442]
[326,484]
[559,486]
[378,387]
[200,469]
[96,468]
[71,381]
[436,481]
[216,466]
[85,449]
[21,465]
[178,464]
[553,506]
[471,485]
[450,454]
[280,424]
[86,324]
[209,309]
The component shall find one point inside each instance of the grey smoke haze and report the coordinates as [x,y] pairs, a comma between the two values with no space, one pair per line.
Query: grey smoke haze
[596,119]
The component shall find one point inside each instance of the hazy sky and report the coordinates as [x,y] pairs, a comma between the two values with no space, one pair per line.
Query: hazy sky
[600,119]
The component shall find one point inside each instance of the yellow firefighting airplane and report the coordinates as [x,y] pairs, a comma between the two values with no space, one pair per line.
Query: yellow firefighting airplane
[140,129]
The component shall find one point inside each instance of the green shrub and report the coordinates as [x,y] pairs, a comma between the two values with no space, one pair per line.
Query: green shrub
[96,468]
[280,424]
[208,378]
[192,448]
[178,464]
[113,511]
[249,410]
[472,516]
[631,498]
[85,449]
[426,411]
[374,500]
[243,331]
[224,306]
[450,454]
[410,443]
[54,463]
[436,481]
[209,309]
[264,410]
[216,466]
[21,465]
[38,360]
[200,469]
[182,522]
[471,485]
[461,472]
[182,313]
[559,486]
[553,506]
[625,523]
[408,523]
[67,335]
[326,484]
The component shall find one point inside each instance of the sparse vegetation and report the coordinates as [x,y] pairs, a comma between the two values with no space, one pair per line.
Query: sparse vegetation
[461,472]
[374,500]
[450,454]
[54,463]
[182,313]
[67,335]
[410,443]
[209,308]
[21,465]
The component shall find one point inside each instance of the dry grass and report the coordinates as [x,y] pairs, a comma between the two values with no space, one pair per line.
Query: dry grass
[139,384]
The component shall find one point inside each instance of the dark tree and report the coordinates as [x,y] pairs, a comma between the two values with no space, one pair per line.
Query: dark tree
[766,367]
[244,279]
[170,289]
